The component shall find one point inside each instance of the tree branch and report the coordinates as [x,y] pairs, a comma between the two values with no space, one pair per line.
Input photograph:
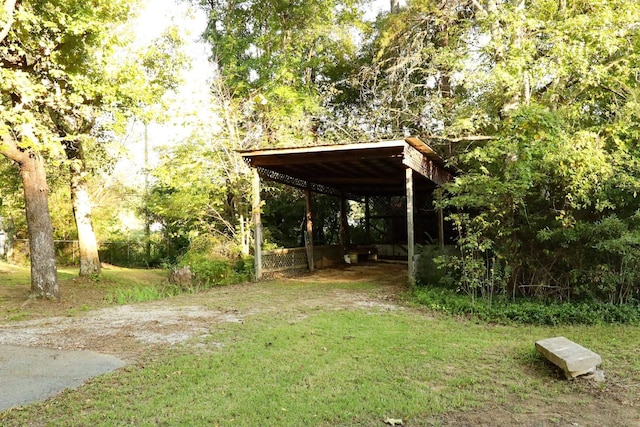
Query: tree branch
[10,149]
[478,6]
[9,8]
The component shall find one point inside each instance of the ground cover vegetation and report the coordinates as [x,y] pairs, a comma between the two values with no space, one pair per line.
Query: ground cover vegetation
[338,349]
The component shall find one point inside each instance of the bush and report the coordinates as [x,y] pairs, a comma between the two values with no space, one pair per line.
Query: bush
[215,261]
[546,211]
[209,271]
[429,267]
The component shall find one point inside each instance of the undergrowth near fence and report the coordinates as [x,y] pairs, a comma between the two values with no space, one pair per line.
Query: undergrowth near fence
[526,311]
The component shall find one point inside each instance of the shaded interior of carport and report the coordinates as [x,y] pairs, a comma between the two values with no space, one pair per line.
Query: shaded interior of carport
[401,168]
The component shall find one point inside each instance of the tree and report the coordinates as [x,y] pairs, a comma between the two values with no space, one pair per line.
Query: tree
[44,280]
[560,98]
[66,67]
[154,70]
[56,71]
[7,18]
[275,63]
[200,186]
[405,80]
[276,57]
[45,53]
[542,99]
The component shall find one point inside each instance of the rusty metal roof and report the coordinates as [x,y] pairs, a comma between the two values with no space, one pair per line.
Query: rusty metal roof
[355,170]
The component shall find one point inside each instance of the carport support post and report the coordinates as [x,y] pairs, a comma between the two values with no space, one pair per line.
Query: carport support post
[367,220]
[440,219]
[308,241]
[344,226]
[410,228]
[257,224]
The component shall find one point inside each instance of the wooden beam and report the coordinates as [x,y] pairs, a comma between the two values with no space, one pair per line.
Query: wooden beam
[324,148]
[425,166]
[277,158]
[257,225]
[410,226]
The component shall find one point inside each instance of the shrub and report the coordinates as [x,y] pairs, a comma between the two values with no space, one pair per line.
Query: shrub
[429,268]
[210,269]
[526,311]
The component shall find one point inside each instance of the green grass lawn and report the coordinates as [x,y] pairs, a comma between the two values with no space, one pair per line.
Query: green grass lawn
[347,366]
[77,293]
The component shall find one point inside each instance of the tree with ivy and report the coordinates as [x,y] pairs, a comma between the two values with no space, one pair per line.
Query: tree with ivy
[542,101]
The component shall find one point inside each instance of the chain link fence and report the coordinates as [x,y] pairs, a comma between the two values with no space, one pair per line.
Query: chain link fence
[123,254]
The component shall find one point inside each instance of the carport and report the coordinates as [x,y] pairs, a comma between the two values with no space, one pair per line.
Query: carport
[400,168]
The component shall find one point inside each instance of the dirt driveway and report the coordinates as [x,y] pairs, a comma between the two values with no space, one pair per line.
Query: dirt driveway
[128,331]
[42,357]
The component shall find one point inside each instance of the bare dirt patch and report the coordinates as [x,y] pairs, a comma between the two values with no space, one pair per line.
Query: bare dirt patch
[129,331]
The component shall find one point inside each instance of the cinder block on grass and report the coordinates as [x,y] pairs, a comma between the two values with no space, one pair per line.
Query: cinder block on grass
[572,358]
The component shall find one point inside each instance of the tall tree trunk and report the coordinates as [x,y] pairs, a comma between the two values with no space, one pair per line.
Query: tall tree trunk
[81,202]
[44,275]
[11,236]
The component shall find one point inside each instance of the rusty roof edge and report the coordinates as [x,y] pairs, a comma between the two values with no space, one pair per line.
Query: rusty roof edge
[317,148]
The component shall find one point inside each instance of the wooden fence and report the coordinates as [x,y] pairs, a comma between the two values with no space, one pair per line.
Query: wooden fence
[294,260]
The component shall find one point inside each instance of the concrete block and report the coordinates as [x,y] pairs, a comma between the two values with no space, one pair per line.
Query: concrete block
[572,358]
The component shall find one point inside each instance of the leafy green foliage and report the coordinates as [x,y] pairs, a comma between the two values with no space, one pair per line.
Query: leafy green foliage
[526,311]
[277,58]
[283,217]
[213,264]
[196,194]
[428,270]
[545,204]
[209,272]
[537,217]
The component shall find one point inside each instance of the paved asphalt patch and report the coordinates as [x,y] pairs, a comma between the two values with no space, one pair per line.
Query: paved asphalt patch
[29,374]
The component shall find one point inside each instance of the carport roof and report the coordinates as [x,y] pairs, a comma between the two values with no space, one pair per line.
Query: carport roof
[355,170]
